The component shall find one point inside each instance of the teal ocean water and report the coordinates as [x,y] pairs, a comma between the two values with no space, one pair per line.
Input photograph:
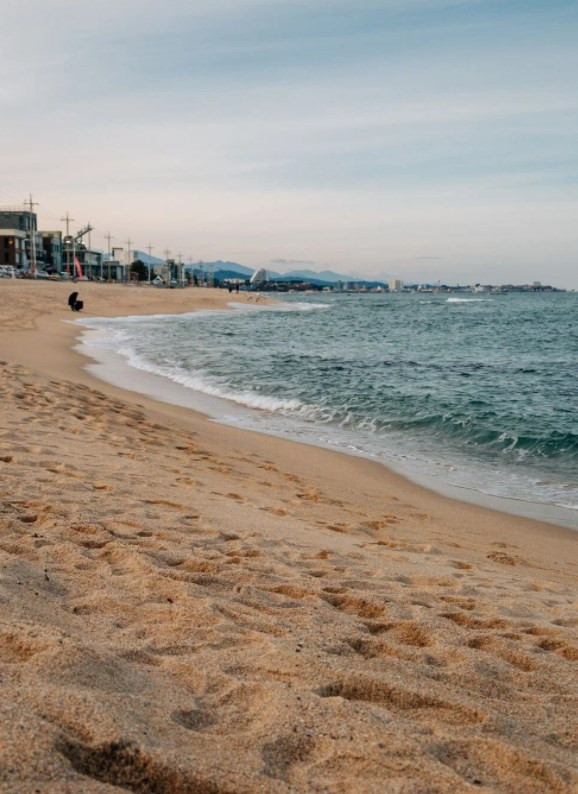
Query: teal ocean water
[481,392]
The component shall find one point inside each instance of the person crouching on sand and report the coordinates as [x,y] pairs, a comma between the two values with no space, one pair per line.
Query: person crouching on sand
[74,303]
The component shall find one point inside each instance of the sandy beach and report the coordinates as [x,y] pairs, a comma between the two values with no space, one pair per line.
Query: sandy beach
[189,607]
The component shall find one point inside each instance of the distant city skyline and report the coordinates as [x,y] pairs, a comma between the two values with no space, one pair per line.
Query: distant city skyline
[423,140]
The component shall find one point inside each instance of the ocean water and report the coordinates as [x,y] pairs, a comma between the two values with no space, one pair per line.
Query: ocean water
[476,392]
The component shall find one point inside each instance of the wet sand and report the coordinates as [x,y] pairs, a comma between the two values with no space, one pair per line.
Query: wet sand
[187,607]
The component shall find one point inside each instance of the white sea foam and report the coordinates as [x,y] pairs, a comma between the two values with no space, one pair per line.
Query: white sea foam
[467,300]
[97,322]
[308,307]
[298,412]
[280,306]
[210,386]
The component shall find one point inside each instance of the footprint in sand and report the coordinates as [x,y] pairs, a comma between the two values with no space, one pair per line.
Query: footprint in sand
[415,704]
[355,605]
[276,511]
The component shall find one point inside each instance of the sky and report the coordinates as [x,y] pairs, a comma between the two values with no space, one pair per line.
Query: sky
[428,140]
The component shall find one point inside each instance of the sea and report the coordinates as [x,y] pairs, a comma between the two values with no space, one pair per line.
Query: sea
[475,396]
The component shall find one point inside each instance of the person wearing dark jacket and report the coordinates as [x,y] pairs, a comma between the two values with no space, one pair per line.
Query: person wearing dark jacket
[74,303]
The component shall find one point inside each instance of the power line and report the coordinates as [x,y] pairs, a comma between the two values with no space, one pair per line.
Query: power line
[8,195]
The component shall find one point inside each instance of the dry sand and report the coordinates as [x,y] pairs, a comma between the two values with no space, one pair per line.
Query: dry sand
[186,607]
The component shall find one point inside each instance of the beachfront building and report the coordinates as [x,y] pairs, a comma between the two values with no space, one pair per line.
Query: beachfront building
[13,248]
[395,285]
[113,265]
[52,251]
[17,229]
[93,263]
[90,261]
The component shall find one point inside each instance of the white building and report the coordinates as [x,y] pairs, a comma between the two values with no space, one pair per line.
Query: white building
[259,276]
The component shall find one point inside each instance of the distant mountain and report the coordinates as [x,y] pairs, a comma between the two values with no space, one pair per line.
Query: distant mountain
[316,282]
[224,269]
[220,265]
[222,275]
[326,276]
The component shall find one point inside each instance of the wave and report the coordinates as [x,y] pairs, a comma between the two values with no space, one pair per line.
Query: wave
[211,386]
[306,307]
[283,306]
[464,429]
[105,322]
[554,445]
[517,447]
[467,300]
[295,306]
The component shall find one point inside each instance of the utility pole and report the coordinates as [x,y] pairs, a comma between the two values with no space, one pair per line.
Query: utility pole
[31,204]
[108,237]
[67,220]
[128,245]
[167,253]
[149,249]
[89,251]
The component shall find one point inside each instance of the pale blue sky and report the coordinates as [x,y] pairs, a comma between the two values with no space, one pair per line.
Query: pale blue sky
[423,139]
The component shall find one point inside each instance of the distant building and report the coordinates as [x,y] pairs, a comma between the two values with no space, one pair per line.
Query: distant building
[13,248]
[118,255]
[17,228]
[91,261]
[113,270]
[395,285]
[52,251]
[260,276]
[16,218]
[115,266]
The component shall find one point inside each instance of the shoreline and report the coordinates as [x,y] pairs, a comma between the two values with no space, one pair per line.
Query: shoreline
[110,367]
[66,361]
[192,607]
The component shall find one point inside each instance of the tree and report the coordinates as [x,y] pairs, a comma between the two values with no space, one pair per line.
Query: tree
[139,267]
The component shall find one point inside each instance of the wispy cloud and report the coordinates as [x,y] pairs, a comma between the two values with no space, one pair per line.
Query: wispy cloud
[356,133]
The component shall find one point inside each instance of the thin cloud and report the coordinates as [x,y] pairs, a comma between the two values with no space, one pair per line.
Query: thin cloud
[353,133]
